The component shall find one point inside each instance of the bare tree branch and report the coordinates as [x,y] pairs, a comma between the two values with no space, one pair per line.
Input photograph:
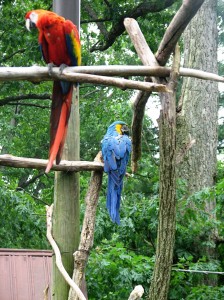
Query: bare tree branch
[100,20]
[11,55]
[117,29]
[34,163]
[30,105]
[38,74]
[30,181]
[11,99]
[92,13]
[180,21]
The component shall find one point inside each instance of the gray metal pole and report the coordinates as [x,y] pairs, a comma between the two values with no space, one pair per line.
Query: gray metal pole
[69,9]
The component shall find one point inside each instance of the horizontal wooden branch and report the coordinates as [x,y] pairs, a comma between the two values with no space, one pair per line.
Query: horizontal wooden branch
[118,82]
[34,163]
[37,74]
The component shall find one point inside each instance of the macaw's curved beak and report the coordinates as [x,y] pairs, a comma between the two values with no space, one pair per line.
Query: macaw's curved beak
[29,24]
[125,130]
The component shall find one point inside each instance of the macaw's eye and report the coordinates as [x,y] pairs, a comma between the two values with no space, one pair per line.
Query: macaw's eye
[125,129]
[32,25]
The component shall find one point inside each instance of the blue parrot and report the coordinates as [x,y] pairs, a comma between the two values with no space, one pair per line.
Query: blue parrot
[116,148]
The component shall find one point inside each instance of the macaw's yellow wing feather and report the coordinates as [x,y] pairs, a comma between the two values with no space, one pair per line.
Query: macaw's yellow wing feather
[73,43]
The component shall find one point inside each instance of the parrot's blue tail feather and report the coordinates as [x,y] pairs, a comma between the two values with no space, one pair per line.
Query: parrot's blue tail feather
[114,197]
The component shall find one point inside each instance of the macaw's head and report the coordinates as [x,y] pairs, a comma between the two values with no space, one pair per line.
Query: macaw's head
[119,127]
[32,18]
[39,17]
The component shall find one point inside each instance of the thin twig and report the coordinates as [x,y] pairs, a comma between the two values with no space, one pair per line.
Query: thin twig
[198,271]
[11,99]
[57,253]
[29,105]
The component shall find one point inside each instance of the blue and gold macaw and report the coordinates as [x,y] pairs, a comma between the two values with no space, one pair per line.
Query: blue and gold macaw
[116,148]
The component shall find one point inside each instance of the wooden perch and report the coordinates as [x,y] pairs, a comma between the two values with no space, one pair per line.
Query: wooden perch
[34,163]
[87,235]
[38,74]
[111,81]
[57,253]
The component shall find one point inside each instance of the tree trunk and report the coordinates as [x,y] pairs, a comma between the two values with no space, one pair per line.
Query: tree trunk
[198,106]
[198,116]
[66,228]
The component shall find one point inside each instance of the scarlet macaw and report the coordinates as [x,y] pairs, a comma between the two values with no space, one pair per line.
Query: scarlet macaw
[60,45]
[116,148]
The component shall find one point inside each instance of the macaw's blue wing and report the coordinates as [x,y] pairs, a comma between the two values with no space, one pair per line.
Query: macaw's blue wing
[116,151]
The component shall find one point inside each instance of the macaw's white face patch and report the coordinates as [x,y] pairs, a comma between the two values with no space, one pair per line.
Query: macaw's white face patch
[34,17]
[32,20]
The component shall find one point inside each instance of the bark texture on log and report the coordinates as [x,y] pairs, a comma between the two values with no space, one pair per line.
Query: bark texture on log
[167,206]
[198,115]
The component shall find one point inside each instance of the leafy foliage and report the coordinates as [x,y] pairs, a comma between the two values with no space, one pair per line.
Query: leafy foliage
[21,219]
[112,265]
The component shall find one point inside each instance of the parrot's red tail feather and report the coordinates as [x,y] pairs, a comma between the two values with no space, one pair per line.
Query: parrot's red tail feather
[60,112]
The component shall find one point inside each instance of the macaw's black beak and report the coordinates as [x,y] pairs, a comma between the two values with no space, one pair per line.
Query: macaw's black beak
[30,24]
[125,129]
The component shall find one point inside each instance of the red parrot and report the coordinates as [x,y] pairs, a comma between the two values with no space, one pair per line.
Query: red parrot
[60,45]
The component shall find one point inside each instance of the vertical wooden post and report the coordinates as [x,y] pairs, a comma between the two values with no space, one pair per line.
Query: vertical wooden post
[167,207]
[66,191]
